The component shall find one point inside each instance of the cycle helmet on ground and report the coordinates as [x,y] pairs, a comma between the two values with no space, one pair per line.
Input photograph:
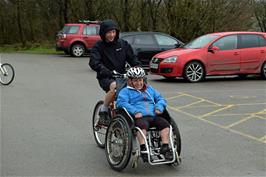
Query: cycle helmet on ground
[136,72]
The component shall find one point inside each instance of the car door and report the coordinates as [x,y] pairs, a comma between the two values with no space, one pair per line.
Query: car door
[225,60]
[166,42]
[91,35]
[145,47]
[252,49]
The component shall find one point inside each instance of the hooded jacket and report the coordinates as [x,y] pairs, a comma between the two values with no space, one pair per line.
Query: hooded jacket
[108,56]
[144,102]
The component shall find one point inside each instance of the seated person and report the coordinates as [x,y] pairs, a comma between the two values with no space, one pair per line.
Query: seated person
[146,105]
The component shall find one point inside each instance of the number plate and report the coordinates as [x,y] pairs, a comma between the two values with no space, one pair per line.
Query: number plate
[154,66]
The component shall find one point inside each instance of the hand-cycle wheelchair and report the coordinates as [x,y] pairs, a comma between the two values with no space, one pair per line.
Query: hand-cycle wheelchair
[120,142]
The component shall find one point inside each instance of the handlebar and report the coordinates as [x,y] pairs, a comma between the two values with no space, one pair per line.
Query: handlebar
[116,74]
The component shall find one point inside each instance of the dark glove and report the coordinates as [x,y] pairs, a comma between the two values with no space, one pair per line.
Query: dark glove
[106,73]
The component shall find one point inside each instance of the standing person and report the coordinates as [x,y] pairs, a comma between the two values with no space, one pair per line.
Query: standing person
[107,55]
[146,105]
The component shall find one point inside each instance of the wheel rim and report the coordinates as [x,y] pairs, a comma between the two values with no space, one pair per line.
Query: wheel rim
[99,132]
[116,143]
[78,51]
[194,72]
[6,74]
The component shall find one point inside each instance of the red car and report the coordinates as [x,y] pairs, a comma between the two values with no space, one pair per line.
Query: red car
[78,38]
[224,53]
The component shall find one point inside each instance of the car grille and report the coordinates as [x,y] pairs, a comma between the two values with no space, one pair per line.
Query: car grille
[156,61]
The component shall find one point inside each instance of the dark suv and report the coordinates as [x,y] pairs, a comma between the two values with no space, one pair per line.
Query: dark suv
[78,38]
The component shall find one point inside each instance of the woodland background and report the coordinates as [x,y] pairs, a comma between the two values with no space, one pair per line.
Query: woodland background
[29,22]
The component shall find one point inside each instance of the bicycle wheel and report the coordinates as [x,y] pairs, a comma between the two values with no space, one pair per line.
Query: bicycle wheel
[177,141]
[118,145]
[99,132]
[7,74]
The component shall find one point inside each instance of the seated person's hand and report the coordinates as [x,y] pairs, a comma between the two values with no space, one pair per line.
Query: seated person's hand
[157,112]
[138,115]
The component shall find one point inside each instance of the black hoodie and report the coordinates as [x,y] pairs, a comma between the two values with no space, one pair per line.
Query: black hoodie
[108,56]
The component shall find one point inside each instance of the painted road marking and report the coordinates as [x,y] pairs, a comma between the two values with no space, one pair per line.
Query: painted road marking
[198,104]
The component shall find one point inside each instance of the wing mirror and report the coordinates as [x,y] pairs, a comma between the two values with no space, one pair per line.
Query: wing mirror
[213,49]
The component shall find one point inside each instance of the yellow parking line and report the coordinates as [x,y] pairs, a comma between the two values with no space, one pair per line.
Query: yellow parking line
[202,99]
[220,126]
[258,116]
[246,114]
[173,97]
[246,135]
[196,117]
[218,110]
[263,139]
[240,121]
[188,105]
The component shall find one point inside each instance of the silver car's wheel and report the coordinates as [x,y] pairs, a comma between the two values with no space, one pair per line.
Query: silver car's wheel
[194,72]
[77,50]
[263,70]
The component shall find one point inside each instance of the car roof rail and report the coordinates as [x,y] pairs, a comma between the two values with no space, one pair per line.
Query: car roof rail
[89,22]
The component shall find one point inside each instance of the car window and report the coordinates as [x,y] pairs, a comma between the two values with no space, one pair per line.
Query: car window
[72,30]
[91,30]
[165,40]
[251,40]
[144,40]
[201,41]
[129,39]
[226,43]
[262,41]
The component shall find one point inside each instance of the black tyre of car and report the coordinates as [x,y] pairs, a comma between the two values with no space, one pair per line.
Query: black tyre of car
[9,73]
[263,70]
[99,133]
[77,50]
[194,72]
[118,144]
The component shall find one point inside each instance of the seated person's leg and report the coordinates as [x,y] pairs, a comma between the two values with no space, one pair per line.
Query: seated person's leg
[143,124]
[163,125]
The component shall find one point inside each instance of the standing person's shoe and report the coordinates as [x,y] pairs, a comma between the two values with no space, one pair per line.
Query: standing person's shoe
[104,119]
[167,152]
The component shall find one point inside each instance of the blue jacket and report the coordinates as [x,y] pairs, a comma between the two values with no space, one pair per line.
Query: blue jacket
[144,102]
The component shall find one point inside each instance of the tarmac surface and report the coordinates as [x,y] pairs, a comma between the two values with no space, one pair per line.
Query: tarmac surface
[46,126]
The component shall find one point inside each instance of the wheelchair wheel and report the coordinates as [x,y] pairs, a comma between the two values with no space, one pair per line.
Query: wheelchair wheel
[177,141]
[98,132]
[118,145]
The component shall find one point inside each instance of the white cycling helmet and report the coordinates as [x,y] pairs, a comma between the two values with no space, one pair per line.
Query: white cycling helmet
[136,72]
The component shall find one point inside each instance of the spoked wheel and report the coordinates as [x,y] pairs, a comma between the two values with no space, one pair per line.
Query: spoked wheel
[99,132]
[177,142]
[263,70]
[118,143]
[7,74]
[194,72]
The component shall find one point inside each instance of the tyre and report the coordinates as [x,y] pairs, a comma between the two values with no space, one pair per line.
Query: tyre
[118,144]
[98,132]
[176,140]
[194,72]
[77,50]
[263,70]
[7,74]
